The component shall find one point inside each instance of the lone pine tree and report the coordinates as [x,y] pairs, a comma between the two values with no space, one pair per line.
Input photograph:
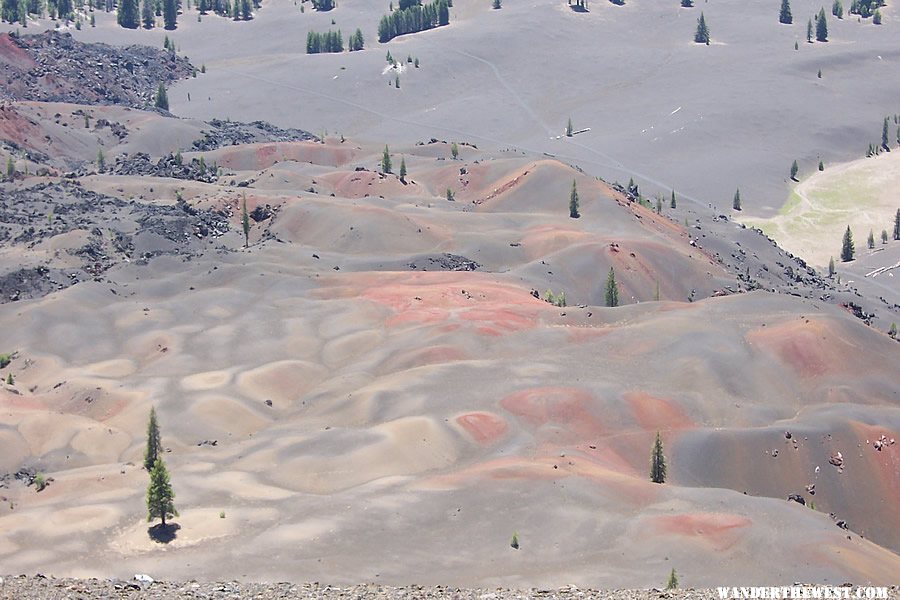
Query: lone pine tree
[170,14]
[736,203]
[837,9]
[672,584]
[612,289]
[573,202]
[127,14]
[386,161]
[403,169]
[794,170]
[870,241]
[162,98]
[160,497]
[147,17]
[701,36]
[809,31]
[785,15]
[897,225]
[672,203]
[657,461]
[885,134]
[821,27]
[153,442]
[245,222]
[847,249]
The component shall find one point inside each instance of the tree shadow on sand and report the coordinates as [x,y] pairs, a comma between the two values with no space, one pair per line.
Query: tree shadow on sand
[163,533]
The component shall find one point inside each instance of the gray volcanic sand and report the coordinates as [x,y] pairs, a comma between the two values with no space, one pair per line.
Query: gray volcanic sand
[420,417]
[700,119]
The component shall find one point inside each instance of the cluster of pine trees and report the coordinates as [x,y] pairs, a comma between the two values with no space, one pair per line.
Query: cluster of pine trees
[225,8]
[356,41]
[412,16]
[865,8]
[14,11]
[330,41]
[238,10]
[132,14]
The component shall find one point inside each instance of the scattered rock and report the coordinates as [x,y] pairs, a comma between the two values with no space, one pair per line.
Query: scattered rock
[54,67]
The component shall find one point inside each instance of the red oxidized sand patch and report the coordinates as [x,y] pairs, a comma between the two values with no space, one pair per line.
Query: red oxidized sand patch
[449,299]
[563,407]
[485,428]
[654,413]
[719,530]
[806,346]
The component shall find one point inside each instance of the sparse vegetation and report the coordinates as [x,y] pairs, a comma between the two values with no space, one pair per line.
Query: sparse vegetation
[40,482]
[5,359]
[555,299]
[514,542]
[454,150]
[657,461]
[831,270]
